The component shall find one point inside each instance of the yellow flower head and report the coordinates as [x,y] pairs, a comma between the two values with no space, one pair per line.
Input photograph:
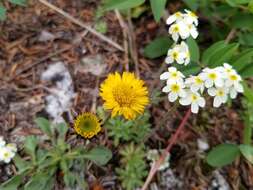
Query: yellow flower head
[124,95]
[87,125]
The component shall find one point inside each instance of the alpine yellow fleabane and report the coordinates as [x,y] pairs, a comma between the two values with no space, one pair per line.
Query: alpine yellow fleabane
[124,95]
[87,125]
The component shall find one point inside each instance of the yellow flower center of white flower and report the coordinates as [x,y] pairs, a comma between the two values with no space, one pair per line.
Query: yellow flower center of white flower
[194,97]
[175,88]
[193,14]
[174,74]
[220,93]
[176,29]
[6,154]
[175,55]
[178,14]
[233,77]
[198,80]
[212,76]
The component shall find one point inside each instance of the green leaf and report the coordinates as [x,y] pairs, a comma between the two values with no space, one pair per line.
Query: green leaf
[158,7]
[248,92]
[222,155]
[235,3]
[30,146]
[18,2]
[223,55]
[21,164]
[44,125]
[246,39]
[69,179]
[157,48]
[99,155]
[2,12]
[242,60]
[12,183]
[247,71]
[209,52]
[247,152]
[194,49]
[62,129]
[192,4]
[121,4]
[40,181]
[242,21]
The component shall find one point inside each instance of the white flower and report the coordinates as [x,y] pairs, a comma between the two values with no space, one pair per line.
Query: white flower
[193,31]
[2,142]
[179,53]
[220,95]
[179,29]
[212,77]
[194,99]
[226,69]
[173,75]
[12,147]
[174,18]
[175,54]
[6,154]
[195,83]
[175,90]
[190,17]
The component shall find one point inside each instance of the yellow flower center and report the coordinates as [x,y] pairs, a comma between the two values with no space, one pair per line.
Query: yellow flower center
[176,29]
[175,55]
[233,77]
[6,154]
[87,125]
[220,93]
[198,80]
[212,76]
[175,88]
[178,14]
[193,14]
[124,95]
[194,98]
[174,74]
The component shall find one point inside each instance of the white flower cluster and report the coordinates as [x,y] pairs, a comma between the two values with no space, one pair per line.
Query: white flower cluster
[7,151]
[221,83]
[182,25]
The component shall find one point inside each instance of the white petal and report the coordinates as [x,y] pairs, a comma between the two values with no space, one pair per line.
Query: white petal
[239,88]
[194,88]
[166,89]
[211,91]
[164,76]
[169,60]
[208,83]
[175,36]
[233,93]
[172,69]
[201,102]
[195,108]
[194,33]
[219,82]
[185,101]
[217,102]
[171,19]
[182,93]
[172,97]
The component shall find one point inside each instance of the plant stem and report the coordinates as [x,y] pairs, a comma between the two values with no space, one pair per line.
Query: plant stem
[247,132]
[172,141]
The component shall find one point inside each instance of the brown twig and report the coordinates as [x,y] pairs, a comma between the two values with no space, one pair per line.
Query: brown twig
[80,23]
[132,45]
[125,36]
[172,141]
[230,35]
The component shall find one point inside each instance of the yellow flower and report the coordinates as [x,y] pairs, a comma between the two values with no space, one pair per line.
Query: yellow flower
[124,95]
[87,125]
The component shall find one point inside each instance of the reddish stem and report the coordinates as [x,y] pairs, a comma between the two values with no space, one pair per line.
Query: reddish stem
[172,141]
